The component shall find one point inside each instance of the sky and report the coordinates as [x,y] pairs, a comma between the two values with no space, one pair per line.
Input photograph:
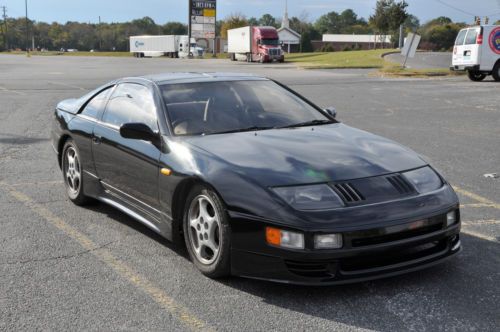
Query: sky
[163,11]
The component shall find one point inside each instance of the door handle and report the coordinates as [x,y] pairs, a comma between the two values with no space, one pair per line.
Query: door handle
[97,139]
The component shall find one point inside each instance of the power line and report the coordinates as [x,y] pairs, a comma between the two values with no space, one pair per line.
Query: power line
[465,12]
[456,8]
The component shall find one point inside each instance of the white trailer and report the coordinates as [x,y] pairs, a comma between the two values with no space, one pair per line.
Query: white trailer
[477,51]
[173,46]
[239,41]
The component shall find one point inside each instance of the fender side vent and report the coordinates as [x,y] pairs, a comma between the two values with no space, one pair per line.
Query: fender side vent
[348,192]
[400,184]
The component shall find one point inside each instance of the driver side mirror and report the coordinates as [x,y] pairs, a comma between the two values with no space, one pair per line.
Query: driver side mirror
[139,131]
[331,111]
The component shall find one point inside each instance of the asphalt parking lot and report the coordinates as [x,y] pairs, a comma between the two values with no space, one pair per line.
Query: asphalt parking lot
[68,268]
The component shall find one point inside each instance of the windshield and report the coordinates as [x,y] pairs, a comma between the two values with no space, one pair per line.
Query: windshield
[219,107]
[270,42]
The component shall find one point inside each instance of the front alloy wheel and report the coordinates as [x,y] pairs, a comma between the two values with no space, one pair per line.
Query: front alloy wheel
[72,172]
[206,232]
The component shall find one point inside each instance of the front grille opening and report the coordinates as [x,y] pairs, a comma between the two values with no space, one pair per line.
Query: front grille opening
[311,269]
[348,192]
[367,241]
[400,183]
[393,257]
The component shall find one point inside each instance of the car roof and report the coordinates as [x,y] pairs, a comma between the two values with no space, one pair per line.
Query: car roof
[192,77]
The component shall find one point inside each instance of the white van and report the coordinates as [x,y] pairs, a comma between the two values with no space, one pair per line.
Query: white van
[477,51]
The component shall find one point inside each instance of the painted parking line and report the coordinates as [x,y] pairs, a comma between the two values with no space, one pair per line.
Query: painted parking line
[177,310]
[477,205]
[13,91]
[37,183]
[481,236]
[67,85]
[481,222]
[477,197]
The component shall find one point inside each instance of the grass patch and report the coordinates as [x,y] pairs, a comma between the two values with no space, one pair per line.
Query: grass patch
[391,69]
[337,60]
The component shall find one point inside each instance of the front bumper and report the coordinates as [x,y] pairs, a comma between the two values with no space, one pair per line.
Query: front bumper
[367,253]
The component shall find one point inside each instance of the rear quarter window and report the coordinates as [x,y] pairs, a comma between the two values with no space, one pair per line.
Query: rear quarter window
[461,37]
[471,37]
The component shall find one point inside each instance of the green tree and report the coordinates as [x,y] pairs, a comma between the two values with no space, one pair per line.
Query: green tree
[439,34]
[268,20]
[174,28]
[328,23]
[389,15]
[253,21]
[235,20]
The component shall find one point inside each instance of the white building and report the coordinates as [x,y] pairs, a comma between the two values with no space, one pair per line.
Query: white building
[288,36]
[386,39]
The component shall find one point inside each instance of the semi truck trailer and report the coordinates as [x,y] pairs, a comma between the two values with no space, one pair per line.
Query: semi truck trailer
[173,46]
[254,44]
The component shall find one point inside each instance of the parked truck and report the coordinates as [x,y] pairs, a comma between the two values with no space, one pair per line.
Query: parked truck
[173,46]
[477,51]
[255,44]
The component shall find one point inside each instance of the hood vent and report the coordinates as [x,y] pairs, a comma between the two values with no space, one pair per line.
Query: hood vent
[348,192]
[400,183]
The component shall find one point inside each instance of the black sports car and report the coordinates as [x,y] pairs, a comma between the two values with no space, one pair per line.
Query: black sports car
[258,180]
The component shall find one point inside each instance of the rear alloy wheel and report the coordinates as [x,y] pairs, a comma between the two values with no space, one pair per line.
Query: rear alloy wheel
[207,233]
[72,172]
[496,72]
[476,76]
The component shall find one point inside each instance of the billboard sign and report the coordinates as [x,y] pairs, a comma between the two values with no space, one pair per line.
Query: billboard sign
[203,15]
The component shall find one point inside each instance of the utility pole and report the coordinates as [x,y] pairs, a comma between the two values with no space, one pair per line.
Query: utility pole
[27,29]
[5,31]
[100,35]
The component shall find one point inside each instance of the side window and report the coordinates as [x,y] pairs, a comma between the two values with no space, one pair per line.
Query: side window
[97,104]
[461,37]
[471,37]
[131,103]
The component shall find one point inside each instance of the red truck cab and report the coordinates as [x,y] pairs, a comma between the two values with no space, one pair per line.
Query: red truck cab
[266,45]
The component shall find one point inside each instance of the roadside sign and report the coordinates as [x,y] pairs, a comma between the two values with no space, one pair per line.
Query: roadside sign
[410,48]
[411,45]
[202,18]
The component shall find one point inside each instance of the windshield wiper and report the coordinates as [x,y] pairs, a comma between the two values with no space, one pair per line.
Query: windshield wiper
[309,123]
[253,128]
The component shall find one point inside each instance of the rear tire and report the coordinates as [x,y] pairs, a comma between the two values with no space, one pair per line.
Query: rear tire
[73,174]
[496,72]
[207,232]
[476,76]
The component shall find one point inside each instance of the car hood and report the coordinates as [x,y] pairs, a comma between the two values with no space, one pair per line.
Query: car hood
[303,155]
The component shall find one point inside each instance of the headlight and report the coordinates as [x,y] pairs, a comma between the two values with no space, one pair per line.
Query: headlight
[424,179]
[313,197]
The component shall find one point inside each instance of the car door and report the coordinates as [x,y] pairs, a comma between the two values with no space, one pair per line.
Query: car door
[128,168]
[82,128]
[458,51]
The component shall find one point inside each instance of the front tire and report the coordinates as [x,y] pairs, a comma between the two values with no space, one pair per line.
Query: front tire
[207,232]
[73,173]
[476,76]
[496,72]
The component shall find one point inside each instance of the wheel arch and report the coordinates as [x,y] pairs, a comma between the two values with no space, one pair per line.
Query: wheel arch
[178,204]
[60,146]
